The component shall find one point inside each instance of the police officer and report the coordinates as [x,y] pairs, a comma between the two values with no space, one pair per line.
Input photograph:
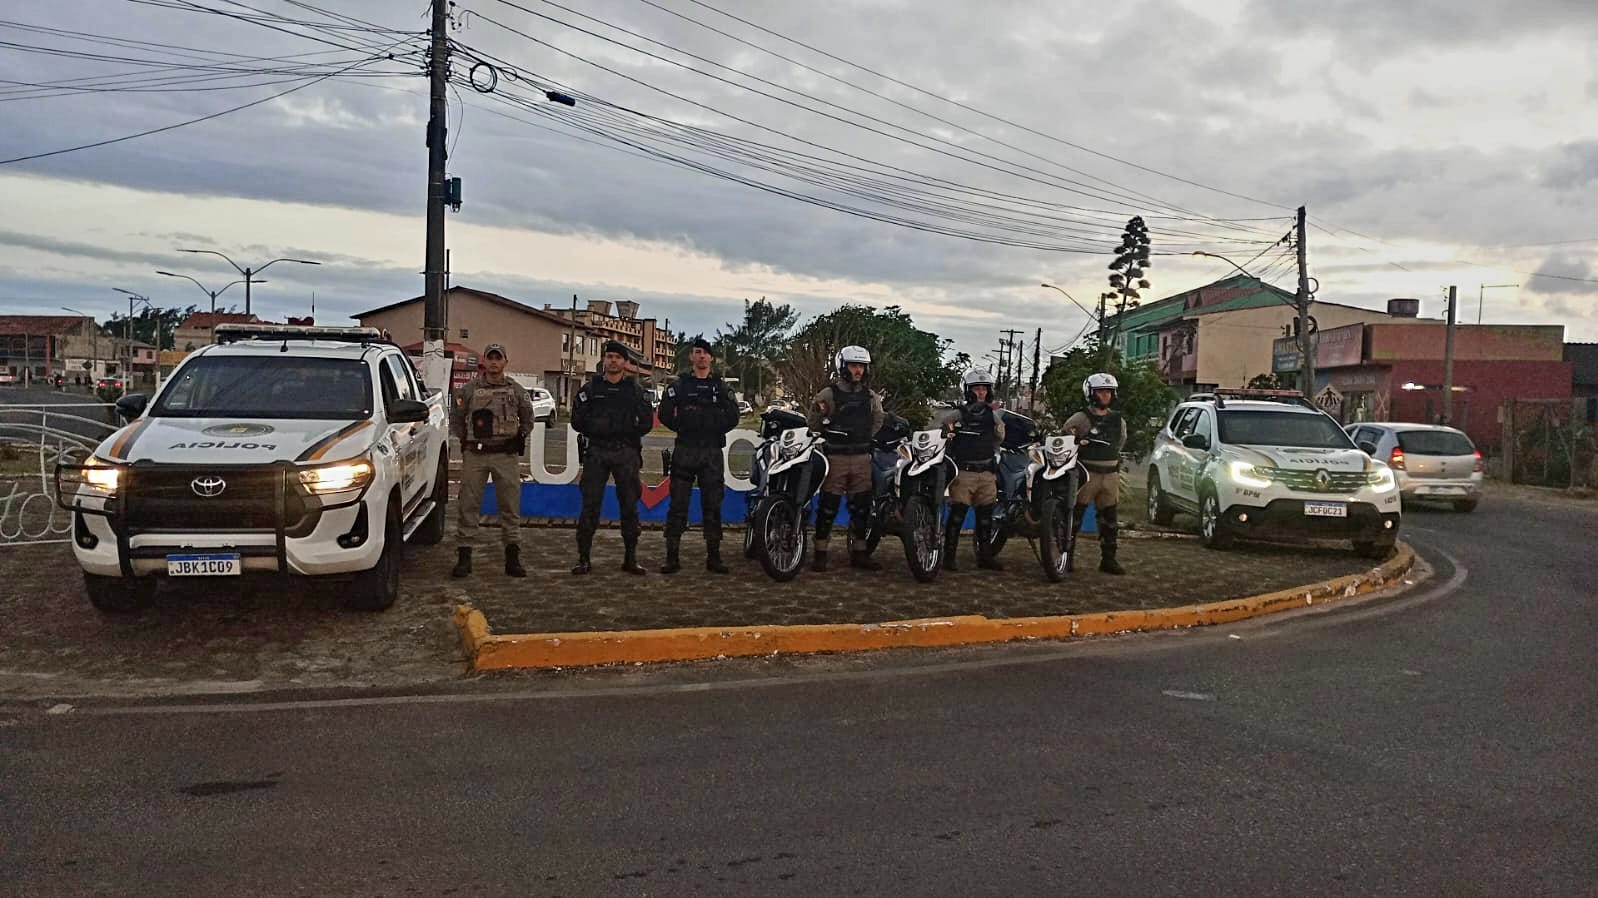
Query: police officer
[490,416]
[977,430]
[848,414]
[1102,433]
[700,408]
[612,411]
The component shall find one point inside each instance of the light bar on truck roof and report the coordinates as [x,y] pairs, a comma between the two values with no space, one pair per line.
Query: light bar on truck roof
[233,333]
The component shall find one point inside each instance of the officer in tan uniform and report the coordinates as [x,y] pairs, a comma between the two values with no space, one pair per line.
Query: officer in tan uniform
[491,416]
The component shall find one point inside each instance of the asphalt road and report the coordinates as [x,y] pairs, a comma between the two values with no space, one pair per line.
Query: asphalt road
[24,410]
[1438,744]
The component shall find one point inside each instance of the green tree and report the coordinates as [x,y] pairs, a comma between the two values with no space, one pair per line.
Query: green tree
[909,366]
[1143,399]
[1266,382]
[1126,272]
[149,322]
[750,350]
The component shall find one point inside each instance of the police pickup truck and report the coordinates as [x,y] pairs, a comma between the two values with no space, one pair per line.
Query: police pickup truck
[298,450]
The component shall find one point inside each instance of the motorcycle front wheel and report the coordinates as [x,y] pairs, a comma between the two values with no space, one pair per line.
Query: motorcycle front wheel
[1054,538]
[1001,529]
[780,535]
[922,547]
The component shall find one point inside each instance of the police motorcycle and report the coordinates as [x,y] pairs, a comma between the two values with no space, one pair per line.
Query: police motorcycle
[885,464]
[921,491]
[1039,477]
[787,472]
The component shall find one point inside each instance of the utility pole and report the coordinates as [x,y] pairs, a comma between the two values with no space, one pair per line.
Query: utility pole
[1305,345]
[1448,361]
[435,319]
[1013,369]
[571,350]
[1037,355]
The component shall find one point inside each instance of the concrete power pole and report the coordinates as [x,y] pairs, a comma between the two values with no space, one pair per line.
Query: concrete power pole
[1012,368]
[1037,355]
[1448,361]
[436,315]
[1306,346]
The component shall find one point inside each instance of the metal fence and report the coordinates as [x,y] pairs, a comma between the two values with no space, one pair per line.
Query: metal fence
[33,438]
[1548,442]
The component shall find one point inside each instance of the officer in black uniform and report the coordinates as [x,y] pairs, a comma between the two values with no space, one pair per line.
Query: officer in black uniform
[612,411]
[700,409]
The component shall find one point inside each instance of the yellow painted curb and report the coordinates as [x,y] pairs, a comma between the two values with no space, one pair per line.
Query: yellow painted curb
[489,651]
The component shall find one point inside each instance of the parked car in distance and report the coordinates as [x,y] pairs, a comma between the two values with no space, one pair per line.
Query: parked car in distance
[744,408]
[7,378]
[1431,462]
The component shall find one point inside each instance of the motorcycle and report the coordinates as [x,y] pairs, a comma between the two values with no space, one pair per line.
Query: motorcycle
[921,490]
[1038,483]
[787,472]
[885,463]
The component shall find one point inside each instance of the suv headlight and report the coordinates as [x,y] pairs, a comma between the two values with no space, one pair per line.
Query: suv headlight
[101,475]
[1245,474]
[346,476]
[1382,480]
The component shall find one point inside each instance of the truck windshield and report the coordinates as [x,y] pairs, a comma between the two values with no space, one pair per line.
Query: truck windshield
[1294,429]
[268,387]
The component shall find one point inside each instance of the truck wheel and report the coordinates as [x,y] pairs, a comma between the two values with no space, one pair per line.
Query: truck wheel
[1160,510]
[376,589]
[1465,506]
[431,533]
[1214,532]
[119,595]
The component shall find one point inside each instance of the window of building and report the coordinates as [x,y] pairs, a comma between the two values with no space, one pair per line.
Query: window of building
[465,334]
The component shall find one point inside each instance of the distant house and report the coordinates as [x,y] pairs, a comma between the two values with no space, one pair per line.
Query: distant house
[199,329]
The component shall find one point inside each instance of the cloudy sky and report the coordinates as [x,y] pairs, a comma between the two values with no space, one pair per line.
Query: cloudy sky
[1433,143]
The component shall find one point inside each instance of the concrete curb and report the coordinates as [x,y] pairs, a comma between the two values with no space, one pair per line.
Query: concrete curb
[491,651]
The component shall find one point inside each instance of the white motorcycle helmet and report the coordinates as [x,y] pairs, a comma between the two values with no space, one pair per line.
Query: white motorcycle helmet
[1096,382]
[851,355]
[976,377]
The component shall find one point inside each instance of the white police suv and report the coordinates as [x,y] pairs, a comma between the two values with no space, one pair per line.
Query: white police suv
[1258,462]
[310,451]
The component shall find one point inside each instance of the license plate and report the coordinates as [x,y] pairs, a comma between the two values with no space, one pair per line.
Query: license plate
[1326,509]
[215,564]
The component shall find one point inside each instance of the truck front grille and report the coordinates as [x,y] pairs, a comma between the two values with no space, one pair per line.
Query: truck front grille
[174,497]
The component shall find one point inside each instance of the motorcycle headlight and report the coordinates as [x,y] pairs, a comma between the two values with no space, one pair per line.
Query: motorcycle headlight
[1245,474]
[1382,480]
[342,477]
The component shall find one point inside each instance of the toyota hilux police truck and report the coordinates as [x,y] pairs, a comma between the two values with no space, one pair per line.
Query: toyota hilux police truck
[309,451]
[1270,463]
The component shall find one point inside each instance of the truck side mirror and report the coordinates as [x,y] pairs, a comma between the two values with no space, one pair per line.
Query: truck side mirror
[1197,441]
[407,411]
[132,406]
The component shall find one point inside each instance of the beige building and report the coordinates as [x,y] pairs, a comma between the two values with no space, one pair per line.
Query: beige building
[651,341]
[199,329]
[546,345]
[1234,346]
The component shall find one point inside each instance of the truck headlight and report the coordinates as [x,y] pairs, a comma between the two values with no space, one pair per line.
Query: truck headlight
[342,477]
[1382,480]
[1246,474]
[101,475]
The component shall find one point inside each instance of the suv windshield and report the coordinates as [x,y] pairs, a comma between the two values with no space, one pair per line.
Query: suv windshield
[1435,442]
[275,387]
[1253,428]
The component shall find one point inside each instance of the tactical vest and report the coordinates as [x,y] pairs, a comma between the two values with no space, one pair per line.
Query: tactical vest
[493,412]
[698,410]
[977,439]
[851,417]
[613,406]
[1108,429]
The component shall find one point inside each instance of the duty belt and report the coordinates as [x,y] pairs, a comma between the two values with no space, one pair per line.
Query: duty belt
[491,446]
[978,467]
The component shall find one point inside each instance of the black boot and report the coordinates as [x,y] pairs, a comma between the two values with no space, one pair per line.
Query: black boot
[818,561]
[984,534]
[859,558]
[673,552]
[1109,541]
[713,561]
[513,562]
[951,536]
[629,562]
[583,566]
[463,562]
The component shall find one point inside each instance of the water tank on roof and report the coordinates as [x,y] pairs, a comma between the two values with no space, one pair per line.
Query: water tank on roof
[1403,308]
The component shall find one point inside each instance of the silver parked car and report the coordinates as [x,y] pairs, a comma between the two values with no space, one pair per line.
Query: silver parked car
[1431,462]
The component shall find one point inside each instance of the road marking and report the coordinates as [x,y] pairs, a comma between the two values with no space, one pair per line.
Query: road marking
[1190,696]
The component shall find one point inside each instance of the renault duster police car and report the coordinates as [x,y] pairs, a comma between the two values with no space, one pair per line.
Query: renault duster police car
[1257,462]
[297,450]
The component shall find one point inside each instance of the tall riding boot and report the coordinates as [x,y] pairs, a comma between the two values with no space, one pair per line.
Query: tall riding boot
[826,511]
[463,562]
[984,533]
[673,555]
[513,562]
[629,562]
[859,520]
[1109,541]
[713,562]
[951,536]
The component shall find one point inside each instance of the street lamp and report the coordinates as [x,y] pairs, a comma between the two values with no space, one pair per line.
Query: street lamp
[1085,310]
[149,306]
[249,273]
[94,338]
[1482,294]
[208,292]
[1305,347]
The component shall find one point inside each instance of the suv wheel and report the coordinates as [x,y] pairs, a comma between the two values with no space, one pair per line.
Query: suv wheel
[1377,549]
[376,589]
[119,595]
[1214,531]
[431,532]
[1160,511]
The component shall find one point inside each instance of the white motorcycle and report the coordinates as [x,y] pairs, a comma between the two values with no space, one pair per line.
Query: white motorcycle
[787,473]
[1037,501]
[921,487]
